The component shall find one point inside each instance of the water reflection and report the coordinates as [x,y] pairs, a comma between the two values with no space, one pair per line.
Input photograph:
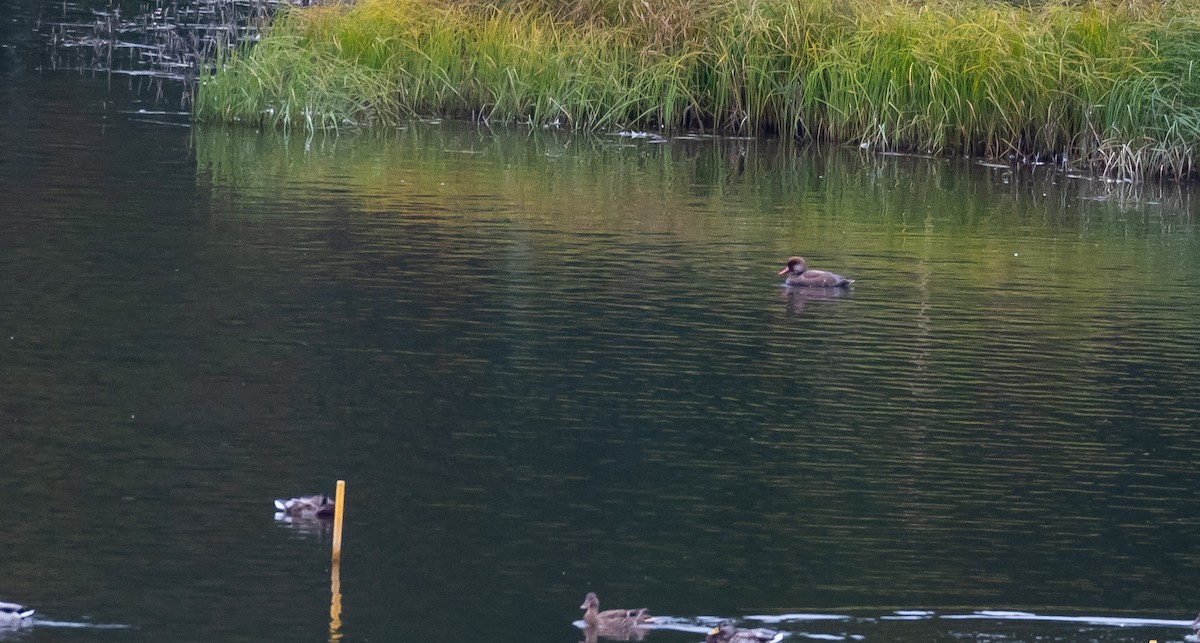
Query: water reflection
[308,526]
[591,633]
[157,41]
[917,625]
[627,318]
[796,299]
[335,602]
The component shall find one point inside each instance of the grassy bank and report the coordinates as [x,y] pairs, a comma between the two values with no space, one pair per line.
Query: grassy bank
[1108,86]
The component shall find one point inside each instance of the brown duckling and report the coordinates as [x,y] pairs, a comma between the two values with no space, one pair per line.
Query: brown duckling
[726,632]
[611,619]
[798,274]
[306,507]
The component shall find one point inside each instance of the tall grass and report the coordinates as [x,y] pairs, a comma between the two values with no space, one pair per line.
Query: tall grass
[1108,86]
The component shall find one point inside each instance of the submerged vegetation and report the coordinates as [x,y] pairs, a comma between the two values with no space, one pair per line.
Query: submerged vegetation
[1097,85]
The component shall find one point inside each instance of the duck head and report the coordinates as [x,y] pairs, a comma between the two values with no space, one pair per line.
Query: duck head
[591,601]
[795,265]
[724,631]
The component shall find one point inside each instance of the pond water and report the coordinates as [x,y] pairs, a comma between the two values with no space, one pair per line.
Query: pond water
[548,363]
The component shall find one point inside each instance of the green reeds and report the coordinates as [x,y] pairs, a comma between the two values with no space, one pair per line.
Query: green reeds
[1107,86]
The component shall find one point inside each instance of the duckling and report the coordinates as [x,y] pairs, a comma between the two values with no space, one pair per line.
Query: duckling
[726,632]
[611,619]
[306,507]
[13,613]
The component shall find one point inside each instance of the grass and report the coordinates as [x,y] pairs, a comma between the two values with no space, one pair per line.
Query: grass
[1109,86]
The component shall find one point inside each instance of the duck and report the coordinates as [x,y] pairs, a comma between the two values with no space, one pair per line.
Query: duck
[798,274]
[727,632]
[14,613]
[611,619]
[306,506]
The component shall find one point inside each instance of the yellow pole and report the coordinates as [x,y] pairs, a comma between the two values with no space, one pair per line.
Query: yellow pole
[335,574]
[338,507]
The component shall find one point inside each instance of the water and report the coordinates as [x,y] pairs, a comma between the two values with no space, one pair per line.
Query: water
[548,364]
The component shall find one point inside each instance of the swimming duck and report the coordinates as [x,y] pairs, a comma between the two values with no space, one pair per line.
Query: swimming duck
[726,632]
[798,274]
[306,507]
[12,613]
[611,619]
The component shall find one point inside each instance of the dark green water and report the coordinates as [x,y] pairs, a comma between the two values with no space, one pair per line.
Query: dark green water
[550,364]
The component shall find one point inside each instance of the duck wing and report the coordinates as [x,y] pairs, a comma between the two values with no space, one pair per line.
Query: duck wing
[638,615]
[635,613]
[818,279]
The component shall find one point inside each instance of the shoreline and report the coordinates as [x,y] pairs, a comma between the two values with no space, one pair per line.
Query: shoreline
[1104,87]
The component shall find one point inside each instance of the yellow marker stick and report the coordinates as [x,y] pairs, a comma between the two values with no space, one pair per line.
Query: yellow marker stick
[338,507]
[335,575]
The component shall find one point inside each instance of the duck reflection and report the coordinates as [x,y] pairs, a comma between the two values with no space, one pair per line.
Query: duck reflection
[622,632]
[316,530]
[797,299]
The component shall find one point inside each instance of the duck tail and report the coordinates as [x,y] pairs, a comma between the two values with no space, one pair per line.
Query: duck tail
[280,505]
